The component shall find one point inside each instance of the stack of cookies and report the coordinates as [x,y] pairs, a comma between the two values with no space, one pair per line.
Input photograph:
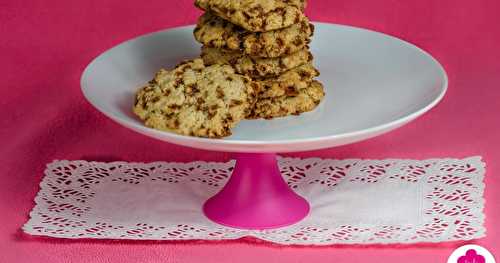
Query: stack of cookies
[266,40]
[255,63]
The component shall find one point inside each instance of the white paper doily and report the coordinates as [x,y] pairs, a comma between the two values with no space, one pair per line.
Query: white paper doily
[352,201]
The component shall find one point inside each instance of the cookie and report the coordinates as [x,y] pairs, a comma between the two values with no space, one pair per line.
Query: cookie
[289,83]
[213,31]
[306,100]
[257,15]
[255,67]
[196,100]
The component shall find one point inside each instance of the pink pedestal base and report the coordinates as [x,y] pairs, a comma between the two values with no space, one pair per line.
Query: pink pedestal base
[256,196]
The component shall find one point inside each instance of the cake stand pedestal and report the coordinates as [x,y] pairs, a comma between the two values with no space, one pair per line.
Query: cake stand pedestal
[256,196]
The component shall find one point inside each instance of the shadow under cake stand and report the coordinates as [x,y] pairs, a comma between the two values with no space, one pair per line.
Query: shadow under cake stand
[374,83]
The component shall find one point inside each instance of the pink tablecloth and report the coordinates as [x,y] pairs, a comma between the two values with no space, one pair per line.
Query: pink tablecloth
[45,45]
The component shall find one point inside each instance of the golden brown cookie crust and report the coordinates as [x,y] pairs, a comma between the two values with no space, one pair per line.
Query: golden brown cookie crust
[213,31]
[306,100]
[256,67]
[256,15]
[196,100]
[289,83]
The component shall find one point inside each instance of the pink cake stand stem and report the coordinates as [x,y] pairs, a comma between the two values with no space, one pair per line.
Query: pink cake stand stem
[256,196]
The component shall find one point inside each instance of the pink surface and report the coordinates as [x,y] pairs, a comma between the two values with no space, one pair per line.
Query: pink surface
[45,45]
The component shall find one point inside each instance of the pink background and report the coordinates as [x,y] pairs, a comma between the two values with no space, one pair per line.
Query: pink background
[45,45]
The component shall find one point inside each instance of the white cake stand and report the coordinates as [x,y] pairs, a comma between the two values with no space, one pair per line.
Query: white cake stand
[374,83]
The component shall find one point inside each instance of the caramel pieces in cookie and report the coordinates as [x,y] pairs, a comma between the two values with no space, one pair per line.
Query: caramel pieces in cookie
[256,67]
[257,15]
[196,100]
[305,100]
[289,83]
[215,32]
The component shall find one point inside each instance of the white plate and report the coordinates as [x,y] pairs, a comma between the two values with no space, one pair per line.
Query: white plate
[374,83]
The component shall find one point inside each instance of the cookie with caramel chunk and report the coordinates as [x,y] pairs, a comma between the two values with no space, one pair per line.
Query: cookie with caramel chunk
[197,100]
[256,67]
[306,100]
[289,83]
[215,32]
[257,15]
